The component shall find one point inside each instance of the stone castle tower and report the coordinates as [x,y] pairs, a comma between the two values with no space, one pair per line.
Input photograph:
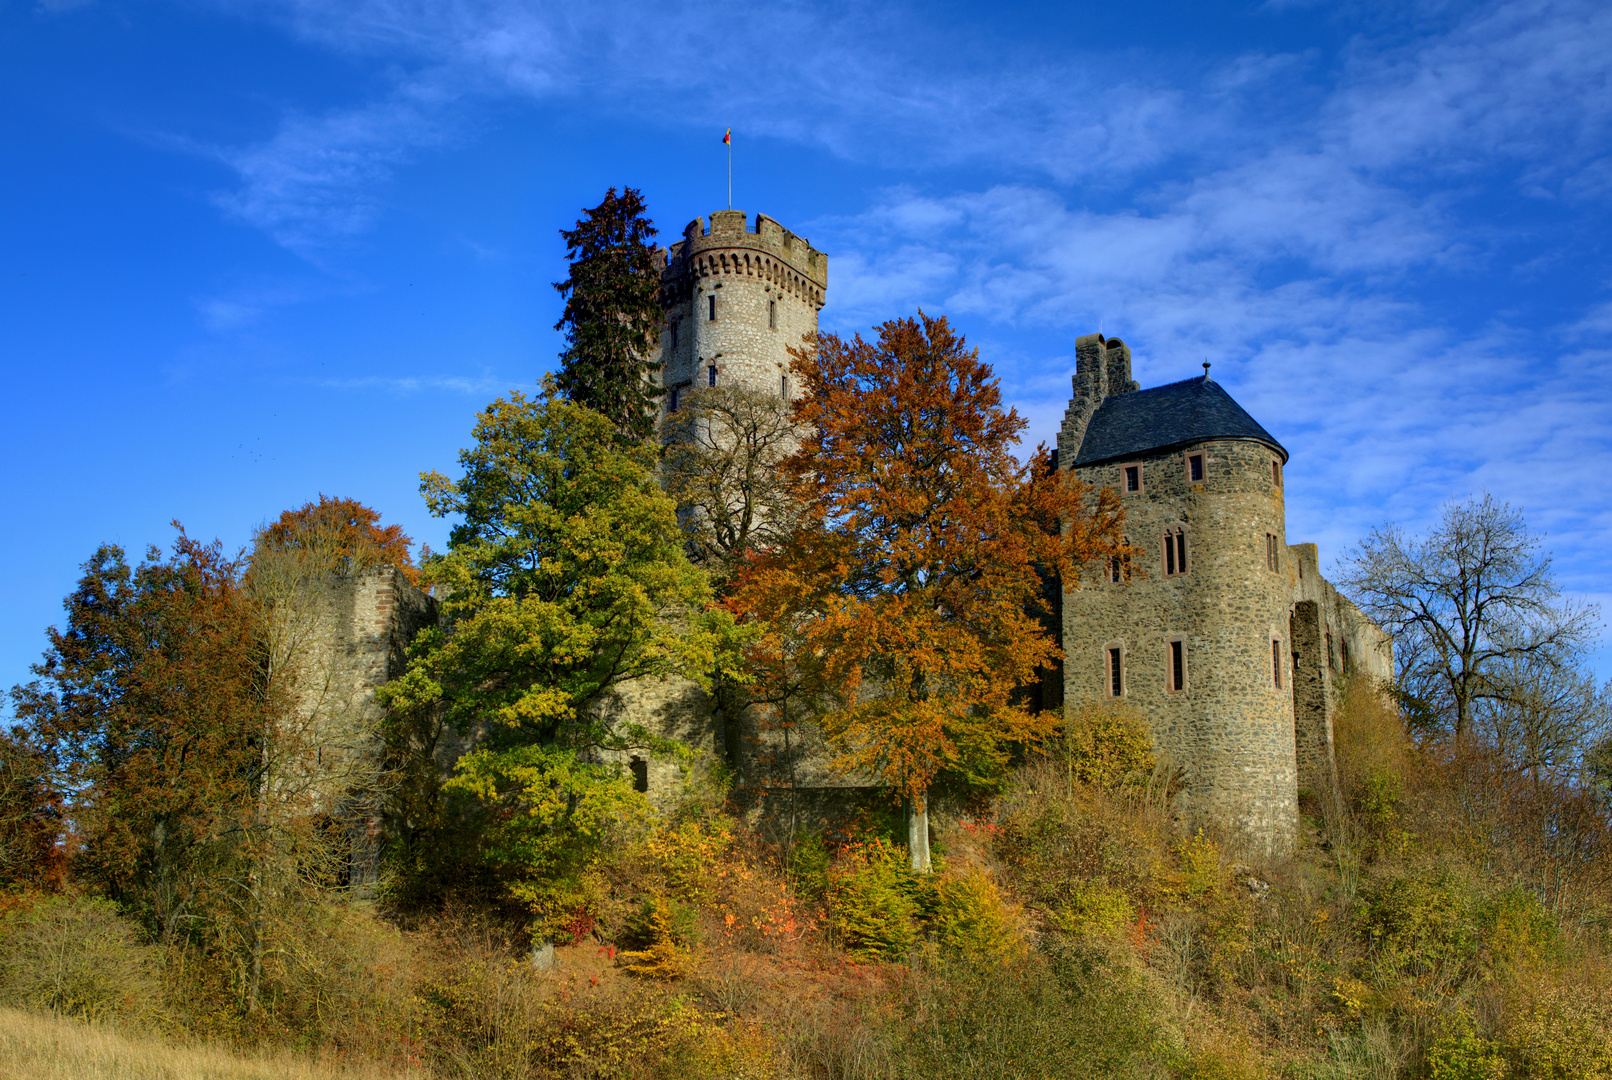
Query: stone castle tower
[1216,630]
[736,299]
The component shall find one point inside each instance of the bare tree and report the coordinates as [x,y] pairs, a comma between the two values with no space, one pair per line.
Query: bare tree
[722,465]
[1475,612]
[1547,719]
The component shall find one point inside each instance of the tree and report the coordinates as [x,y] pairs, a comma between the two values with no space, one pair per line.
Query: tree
[723,466]
[1473,608]
[151,707]
[567,577]
[337,536]
[31,819]
[612,314]
[912,578]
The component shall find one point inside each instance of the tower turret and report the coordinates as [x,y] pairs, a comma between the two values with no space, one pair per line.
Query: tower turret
[737,299]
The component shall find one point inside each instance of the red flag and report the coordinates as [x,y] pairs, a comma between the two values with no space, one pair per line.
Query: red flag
[727,137]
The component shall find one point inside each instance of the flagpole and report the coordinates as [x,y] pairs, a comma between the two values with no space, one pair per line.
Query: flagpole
[730,175]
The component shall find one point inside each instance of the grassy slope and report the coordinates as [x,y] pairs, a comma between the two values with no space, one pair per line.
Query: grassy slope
[43,1047]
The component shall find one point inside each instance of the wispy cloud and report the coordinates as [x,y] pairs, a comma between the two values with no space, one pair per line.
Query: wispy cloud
[408,385]
[319,179]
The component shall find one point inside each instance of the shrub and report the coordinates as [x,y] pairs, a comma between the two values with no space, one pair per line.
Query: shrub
[970,917]
[1462,1054]
[77,956]
[871,904]
[1564,1032]
[1424,925]
[1095,909]
[662,930]
[1107,746]
[808,866]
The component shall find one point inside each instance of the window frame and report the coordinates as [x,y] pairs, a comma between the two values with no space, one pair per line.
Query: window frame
[1276,473]
[1276,663]
[1203,466]
[772,314]
[1174,562]
[711,376]
[710,300]
[1114,664]
[1175,664]
[671,399]
[1124,478]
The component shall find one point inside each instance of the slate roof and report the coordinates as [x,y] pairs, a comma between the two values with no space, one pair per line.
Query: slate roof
[1190,411]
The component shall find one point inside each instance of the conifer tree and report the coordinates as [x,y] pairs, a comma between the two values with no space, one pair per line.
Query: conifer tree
[612,314]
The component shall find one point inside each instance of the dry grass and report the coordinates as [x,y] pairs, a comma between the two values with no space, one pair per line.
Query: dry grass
[36,1046]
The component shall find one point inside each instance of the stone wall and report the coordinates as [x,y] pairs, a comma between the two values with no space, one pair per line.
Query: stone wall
[1332,639]
[347,636]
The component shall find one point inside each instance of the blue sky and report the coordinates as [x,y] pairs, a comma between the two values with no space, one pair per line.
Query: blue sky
[255,251]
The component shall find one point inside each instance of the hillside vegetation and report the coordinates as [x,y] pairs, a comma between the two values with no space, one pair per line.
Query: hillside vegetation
[1070,930]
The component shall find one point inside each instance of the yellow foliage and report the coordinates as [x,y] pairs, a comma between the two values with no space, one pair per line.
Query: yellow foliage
[971,918]
[1095,909]
[1107,746]
[1565,1033]
[662,957]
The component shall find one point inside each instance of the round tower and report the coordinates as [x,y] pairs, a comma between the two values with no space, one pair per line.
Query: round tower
[736,300]
[1195,631]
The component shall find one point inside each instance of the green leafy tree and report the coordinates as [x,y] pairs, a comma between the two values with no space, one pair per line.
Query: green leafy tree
[566,577]
[612,314]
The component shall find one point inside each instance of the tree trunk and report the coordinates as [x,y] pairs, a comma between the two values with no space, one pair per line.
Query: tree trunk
[918,833]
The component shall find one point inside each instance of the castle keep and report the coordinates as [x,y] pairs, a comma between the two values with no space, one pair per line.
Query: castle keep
[1225,636]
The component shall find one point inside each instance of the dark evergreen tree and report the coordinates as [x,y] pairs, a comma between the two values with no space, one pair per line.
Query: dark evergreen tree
[612,314]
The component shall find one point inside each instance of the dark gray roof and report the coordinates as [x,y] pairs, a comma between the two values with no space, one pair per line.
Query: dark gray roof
[1190,411]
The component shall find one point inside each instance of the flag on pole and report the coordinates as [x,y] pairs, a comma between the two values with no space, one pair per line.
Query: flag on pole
[727,137]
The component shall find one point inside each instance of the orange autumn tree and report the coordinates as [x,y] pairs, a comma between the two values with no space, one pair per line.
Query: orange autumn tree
[339,536]
[910,590]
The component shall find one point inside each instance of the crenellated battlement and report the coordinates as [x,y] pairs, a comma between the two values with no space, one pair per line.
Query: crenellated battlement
[727,246]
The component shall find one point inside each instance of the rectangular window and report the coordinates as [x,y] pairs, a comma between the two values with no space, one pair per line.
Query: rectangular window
[1133,478]
[674,335]
[1114,570]
[1178,665]
[772,314]
[671,401]
[711,300]
[712,375]
[1116,671]
[1195,467]
[1276,473]
[1332,657]
[1276,663]
[1175,552]
[1273,553]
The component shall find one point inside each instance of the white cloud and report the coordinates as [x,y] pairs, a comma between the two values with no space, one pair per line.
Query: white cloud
[407,385]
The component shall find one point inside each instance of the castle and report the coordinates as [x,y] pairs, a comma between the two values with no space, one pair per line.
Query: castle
[1223,634]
